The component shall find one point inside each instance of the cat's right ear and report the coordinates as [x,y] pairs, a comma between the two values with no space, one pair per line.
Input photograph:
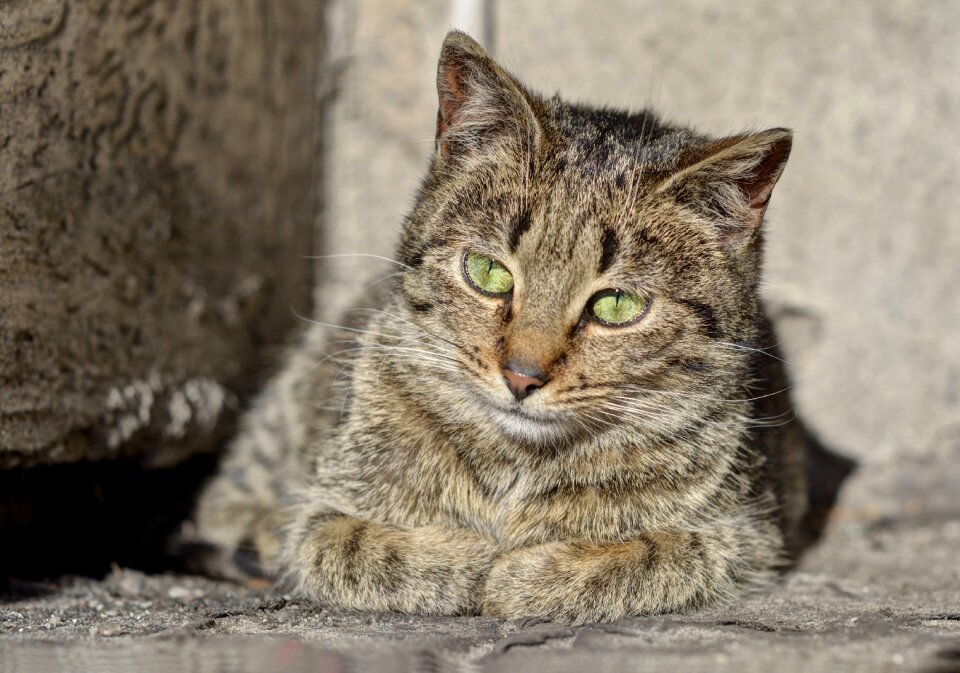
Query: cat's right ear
[481,104]
[728,182]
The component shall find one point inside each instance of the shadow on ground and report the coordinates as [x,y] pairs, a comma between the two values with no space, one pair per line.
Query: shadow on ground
[83,518]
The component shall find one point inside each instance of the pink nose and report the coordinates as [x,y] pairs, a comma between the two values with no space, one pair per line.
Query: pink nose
[523,380]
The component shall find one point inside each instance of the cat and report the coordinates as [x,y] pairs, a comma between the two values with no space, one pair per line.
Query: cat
[565,407]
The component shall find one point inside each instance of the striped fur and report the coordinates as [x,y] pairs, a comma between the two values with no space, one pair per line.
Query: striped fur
[388,467]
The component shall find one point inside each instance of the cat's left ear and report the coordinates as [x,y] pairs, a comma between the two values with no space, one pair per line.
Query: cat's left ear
[729,182]
[480,103]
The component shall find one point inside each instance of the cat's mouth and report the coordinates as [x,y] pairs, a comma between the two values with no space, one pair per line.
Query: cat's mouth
[520,423]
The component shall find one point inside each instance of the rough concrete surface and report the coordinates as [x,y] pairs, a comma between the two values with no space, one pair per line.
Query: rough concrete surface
[872,597]
[157,197]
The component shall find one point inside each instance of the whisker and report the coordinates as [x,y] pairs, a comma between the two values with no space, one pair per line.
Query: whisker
[342,357]
[421,355]
[593,417]
[426,355]
[387,356]
[658,427]
[359,254]
[736,423]
[709,398]
[357,330]
[649,412]
[411,324]
[381,279]
[788,416]
[741,347]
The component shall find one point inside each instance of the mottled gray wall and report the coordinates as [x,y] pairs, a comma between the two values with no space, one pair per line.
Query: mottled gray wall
[379,133]
[864,234]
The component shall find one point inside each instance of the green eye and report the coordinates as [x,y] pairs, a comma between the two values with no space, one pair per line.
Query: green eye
[487,274]
[615,307]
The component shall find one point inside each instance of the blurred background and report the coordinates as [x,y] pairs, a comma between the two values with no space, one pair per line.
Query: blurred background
[167,169]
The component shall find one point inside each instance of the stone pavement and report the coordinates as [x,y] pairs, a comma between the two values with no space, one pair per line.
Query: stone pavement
[873,596]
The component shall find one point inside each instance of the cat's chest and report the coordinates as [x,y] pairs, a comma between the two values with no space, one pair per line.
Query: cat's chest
[529,507]
[497,500]
[434,483]
[520,507]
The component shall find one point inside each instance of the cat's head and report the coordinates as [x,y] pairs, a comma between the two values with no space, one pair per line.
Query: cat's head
[586,269]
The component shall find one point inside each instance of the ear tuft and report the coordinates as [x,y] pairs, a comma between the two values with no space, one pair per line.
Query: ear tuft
[731,180]
[479,102]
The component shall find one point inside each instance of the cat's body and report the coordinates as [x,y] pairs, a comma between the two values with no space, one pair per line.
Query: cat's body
[457,451]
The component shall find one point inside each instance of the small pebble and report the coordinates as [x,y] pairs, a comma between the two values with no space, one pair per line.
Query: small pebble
[179,592]
[108,630]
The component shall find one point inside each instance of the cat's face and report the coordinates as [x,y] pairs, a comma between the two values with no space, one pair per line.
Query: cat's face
[580,271]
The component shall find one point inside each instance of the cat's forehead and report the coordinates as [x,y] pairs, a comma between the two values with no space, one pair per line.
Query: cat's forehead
[594,206]
[604,144]
[586,205]
[573,233]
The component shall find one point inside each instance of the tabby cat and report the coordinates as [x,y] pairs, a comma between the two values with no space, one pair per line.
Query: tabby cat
[566,405]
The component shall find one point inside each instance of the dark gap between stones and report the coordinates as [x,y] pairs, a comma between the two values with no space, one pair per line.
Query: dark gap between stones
[81,518]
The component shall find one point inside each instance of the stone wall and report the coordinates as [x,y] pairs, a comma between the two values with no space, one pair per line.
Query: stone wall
[158,173]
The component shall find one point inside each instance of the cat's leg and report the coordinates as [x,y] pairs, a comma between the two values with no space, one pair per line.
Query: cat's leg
[348,562]
[654,573]
[239,517]
[242,510]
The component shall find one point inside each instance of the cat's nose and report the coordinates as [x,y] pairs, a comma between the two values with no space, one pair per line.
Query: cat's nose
[523,379]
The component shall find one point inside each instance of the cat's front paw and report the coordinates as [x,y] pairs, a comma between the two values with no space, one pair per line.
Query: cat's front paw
[523,585]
